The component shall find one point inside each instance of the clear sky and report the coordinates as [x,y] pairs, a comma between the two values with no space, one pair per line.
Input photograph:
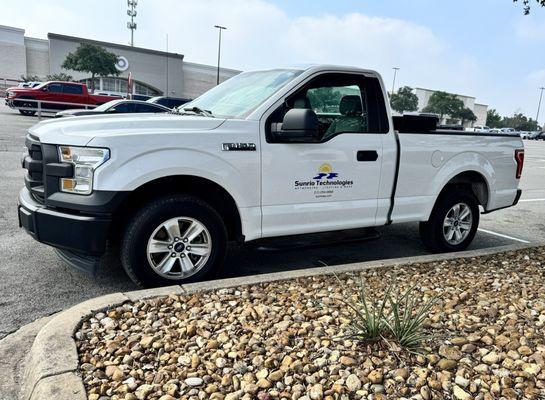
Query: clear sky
[484,48]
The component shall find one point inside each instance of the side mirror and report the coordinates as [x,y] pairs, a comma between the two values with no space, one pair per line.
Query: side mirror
[299,124]
[45,89]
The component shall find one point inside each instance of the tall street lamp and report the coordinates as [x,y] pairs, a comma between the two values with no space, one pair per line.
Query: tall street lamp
[394,83]
[220,28]
[539,104]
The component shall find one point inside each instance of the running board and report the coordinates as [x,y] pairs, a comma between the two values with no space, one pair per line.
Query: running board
[314,240]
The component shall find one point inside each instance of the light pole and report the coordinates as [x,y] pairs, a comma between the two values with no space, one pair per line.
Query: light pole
[220,28]
[539,104]
[394,83]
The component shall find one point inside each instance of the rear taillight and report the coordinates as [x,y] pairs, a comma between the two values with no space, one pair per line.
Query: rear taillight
[519,158]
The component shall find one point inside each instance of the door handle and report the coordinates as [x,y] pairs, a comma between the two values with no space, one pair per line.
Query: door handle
[367,155]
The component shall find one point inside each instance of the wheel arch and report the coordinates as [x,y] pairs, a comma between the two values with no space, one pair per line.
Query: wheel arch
[474,182]
[211,192]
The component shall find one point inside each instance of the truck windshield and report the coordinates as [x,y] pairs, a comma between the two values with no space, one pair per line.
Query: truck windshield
[240,95]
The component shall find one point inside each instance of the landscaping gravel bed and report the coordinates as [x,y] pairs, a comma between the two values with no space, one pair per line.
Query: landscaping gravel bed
[286,340]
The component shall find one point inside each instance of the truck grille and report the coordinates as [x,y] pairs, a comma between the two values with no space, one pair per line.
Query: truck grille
[33,162]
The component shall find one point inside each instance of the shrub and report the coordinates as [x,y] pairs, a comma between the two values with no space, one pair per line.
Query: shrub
[397,317]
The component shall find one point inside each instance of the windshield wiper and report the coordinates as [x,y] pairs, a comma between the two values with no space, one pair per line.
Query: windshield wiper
[200,111]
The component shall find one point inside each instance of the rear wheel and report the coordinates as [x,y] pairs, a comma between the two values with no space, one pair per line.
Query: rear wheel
[453,222]
[173,240]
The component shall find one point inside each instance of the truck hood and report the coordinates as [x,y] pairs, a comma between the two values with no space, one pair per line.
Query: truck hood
[81,130]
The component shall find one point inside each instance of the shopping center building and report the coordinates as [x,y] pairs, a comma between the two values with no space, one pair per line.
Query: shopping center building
[154,72]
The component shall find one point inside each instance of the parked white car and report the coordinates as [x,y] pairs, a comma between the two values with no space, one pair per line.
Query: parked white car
[479,128]
[265,154]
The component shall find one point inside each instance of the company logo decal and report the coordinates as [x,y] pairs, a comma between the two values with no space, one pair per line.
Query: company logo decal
[325,172]
[325,182]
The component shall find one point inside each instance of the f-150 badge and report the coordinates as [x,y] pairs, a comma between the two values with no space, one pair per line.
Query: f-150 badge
[238,147]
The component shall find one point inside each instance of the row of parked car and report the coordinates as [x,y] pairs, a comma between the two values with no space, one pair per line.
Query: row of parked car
[535,135]
[73,99]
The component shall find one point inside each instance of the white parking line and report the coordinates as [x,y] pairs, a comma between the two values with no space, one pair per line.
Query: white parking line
[530,200]
[503,236]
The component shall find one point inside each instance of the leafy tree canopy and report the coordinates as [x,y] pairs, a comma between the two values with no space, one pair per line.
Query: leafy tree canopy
[59,77]
[30,78]
[443,103]
[493,119]
[93,59]
[526,5]
[404,100]
[465,114]
[520,122]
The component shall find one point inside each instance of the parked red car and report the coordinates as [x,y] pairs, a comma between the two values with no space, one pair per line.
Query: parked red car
[50,93]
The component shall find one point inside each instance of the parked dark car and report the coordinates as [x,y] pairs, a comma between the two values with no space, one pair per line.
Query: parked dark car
[536,136]
[117,107]
[170,102]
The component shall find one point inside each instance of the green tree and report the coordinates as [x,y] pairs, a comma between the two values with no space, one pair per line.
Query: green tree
[526,5]
[493,119]
[404,100]
[30,78]
[443,103]
[59,77]
[465,114]
[520,122]
[92,59]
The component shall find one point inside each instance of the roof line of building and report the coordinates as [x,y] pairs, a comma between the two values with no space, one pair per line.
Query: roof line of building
[114,45]
[456,94]
[211,67]
[12,28]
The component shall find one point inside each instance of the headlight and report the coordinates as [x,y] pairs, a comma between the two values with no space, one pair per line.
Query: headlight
[85,160]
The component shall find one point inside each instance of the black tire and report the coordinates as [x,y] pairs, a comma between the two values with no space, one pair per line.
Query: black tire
[432,231]
[27,112]
[133,247]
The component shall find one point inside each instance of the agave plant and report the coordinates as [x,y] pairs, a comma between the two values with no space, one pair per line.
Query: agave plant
[406,318]
[400,317]
[368,319]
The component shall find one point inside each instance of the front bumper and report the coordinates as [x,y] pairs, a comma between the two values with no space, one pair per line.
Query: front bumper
[82,235]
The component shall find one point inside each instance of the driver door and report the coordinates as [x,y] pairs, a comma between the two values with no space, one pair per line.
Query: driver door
[331,183]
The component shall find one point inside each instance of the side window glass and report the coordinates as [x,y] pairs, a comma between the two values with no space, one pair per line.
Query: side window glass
[72,89]
[121,108]
[55,87]
[343,103]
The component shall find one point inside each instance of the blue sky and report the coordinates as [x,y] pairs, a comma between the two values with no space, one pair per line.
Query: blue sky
[484,48]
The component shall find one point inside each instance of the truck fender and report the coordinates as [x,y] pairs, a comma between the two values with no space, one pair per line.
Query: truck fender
[149,166]
[459,164]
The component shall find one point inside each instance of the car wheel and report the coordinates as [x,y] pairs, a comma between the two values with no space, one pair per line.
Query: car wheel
[27,112]
[173,240]
[453,222]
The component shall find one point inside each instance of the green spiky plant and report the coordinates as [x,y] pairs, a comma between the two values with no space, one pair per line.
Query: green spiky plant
[400,317]
[369,319]
[406,318]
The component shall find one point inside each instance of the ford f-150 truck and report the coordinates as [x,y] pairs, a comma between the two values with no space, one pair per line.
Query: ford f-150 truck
[50,94]
[270,153]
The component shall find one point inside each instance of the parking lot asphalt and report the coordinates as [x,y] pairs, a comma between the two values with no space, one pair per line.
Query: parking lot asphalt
[35,283]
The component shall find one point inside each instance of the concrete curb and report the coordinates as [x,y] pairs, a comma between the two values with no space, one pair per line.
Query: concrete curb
[52,367]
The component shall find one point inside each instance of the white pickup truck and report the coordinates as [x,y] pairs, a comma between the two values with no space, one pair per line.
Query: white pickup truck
[278,152]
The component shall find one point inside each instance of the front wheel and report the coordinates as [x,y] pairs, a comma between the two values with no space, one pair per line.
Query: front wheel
[173,240]
[27,105]
[453,222]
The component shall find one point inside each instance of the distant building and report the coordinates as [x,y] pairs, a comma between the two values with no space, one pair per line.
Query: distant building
[479,110]
[21,55]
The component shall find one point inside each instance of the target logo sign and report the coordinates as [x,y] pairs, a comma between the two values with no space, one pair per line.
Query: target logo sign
[122,64]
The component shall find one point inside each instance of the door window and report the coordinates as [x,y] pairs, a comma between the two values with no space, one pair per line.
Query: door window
[55,87]
[122,108]
[72,89]
[343,103]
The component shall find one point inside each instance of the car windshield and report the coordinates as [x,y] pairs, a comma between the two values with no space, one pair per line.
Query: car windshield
[242,94]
